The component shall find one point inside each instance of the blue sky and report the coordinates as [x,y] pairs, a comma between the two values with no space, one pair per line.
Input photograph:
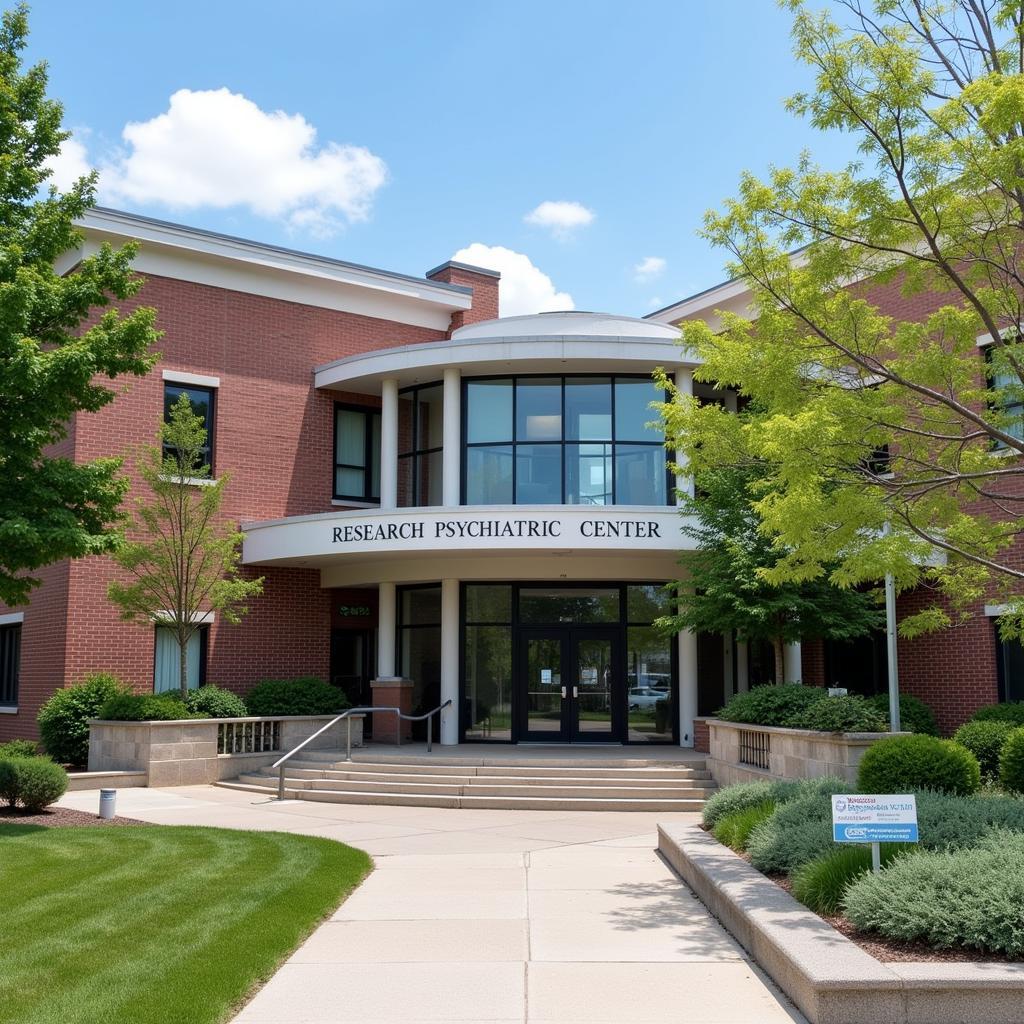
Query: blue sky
[413,131]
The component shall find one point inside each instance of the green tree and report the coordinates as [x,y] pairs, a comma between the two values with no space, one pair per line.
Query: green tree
[726,588]
[933,93]
[183,561]
[51,365]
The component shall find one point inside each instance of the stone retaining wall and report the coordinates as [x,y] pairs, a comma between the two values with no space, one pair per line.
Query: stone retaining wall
[185,753]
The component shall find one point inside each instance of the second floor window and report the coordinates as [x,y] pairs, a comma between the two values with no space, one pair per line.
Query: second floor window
[201,400]
[356,453]
[1006,389]
[420,425]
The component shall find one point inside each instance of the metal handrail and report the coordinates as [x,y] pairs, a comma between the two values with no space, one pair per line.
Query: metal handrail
[429,716]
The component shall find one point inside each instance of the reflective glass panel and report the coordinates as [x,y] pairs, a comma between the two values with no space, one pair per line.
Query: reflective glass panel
[588,474]
[570,605]
[406,493]
[646,602]
[544,685]
[421,606]
[349,481]
[487,602]
[649,685]
[488,700]
[406,423]
[489,475]
[594,686]
[201,401]
[632,409]
[640,475]
[375,455]
[429,417]
[488,410]
[428,479]
[588,409]
[539,409]
[538,474]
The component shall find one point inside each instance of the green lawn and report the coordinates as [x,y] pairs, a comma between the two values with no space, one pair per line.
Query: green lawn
[141,924]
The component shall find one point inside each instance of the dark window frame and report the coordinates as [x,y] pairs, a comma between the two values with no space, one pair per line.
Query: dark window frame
[10,663]
[514,443]
[415,453]
[371,457]
[203,629]
[1015,408]
[211,393]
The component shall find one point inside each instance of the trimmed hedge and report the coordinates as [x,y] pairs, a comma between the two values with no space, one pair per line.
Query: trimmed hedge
[1011,762]
[64,718]
[1011,712]
[19,748]
[985,741]
[771,705]
[915,715]
[213,702]
[734,829]
[304,696]
[903,764]
[948,899]
[843,714]
[144,707]
[33,782]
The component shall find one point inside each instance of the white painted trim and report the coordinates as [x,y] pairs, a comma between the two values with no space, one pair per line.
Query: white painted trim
[11,618]
[340,503]
[199,618]
[993,611]
[9,710]
[198,379]
[191,481]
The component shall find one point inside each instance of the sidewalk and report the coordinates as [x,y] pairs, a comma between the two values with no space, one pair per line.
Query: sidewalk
[501,917]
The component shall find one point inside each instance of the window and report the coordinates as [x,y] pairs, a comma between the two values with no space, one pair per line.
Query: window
[356,453]
[419,648]
[420,424]
[166,664]
[1006,390]
[487,660]
[201,400]
[580,440]
[10,657]
[1010,667]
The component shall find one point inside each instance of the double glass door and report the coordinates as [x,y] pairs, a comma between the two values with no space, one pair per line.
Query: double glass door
[570,685]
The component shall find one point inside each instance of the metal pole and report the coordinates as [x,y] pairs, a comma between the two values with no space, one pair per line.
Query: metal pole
[348,739]
[876,858]
[280,783]
[890,643]
[398,716]
[430,731]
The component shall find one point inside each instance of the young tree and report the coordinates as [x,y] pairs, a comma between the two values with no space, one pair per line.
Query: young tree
[50,368]
[184,561]
[726,589]
[933,91]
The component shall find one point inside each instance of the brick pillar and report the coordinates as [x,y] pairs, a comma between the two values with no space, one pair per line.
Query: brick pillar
[391,692]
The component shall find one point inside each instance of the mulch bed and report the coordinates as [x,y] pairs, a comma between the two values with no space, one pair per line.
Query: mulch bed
[60,817]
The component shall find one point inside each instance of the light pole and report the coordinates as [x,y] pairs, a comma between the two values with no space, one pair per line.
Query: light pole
[890,646]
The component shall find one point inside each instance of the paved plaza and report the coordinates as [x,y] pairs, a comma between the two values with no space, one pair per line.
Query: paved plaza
[481,916]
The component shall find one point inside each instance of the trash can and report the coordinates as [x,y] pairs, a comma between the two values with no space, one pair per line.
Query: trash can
[108,803]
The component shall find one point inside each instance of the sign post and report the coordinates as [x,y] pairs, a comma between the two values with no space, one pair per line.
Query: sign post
[874,819]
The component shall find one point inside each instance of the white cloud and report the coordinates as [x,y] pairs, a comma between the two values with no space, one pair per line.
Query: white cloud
[218,149]
[649,268]
[524,288]
[560,218]
[70,164]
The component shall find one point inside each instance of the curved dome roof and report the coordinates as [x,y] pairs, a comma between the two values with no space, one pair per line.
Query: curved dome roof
[567,325]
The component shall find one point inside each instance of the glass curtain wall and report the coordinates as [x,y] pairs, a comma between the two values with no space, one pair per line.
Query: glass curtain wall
[487,710]
[420,425]
[419,648]
[563,440]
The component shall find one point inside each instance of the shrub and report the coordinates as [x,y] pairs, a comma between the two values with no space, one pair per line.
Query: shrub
[212,702]
[34,782]
[743,795]
[63,719]
[1011,762]
[842,714]
[18,748]
[985,741]
[906,763]
[948,898]
[952,822]
[798,832]
[1012,712]
[771,705]
[821,883]
[734,829]
[305,696]
[915,715]
[144,707]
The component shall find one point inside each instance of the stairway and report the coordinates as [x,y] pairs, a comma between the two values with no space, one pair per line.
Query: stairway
[543,782]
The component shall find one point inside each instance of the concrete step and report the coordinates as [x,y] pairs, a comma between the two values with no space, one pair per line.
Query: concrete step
[538,759]
[523,803]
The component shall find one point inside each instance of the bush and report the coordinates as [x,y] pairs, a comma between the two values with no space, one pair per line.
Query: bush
[305,696]
[63,719]
[842,714]
[915,715]
[18,748]
[34,782]
[144,707]
[1011,762]
[734,829]
[212,702]
[948,899]
[821,883]
[952,822]
[903,764]
[771,705]
[1012,712]
[743,795]
[985,741]
[798,832]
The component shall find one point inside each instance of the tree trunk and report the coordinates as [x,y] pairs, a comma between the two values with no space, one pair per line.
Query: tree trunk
[779,647]
[183,668]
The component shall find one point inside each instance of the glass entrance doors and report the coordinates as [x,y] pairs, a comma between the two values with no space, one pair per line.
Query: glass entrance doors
[572,684]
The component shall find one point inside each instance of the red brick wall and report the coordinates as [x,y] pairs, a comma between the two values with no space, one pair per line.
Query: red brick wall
[812,663]
[485,295]
[701,737]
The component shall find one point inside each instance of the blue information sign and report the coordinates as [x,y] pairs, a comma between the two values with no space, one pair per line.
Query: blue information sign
[874,833]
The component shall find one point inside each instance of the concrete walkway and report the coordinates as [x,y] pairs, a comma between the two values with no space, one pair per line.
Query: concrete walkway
[491,916]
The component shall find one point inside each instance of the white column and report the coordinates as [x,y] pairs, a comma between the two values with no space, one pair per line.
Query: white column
[451,455]
[386,620]
[389,444]
[687,686]
[742,666]
[450,661]
[684,387]
[791,669]
[728,653]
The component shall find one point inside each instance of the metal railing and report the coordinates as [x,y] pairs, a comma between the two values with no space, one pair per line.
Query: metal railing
[755,748]
[347,715]
[262,737]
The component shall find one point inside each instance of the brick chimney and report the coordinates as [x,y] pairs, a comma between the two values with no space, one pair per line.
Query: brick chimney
[485,291]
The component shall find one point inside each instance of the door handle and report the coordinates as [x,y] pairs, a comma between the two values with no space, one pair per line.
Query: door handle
[563,693]
[575,691]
